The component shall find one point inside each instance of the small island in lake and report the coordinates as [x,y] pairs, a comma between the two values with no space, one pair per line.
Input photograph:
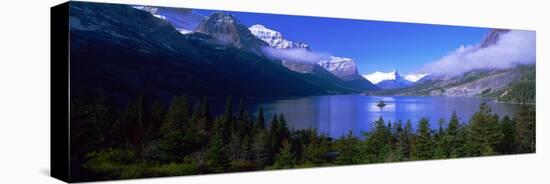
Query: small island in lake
[381,104]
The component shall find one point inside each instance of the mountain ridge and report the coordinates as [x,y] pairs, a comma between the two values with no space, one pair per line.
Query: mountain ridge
[146,55]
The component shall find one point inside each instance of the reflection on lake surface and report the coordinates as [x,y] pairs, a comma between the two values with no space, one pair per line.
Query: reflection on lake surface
[336,115]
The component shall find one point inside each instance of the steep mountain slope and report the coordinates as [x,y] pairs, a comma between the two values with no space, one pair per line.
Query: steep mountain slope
[125,51]
[492,37]
[522,90]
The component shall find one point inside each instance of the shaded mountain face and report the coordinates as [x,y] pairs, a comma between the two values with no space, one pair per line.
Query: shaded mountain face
[228,30]
[125,51]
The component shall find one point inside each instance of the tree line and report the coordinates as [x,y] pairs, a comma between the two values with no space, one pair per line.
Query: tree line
[149,140]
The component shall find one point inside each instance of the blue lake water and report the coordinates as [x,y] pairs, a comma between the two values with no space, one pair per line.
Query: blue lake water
[336,115]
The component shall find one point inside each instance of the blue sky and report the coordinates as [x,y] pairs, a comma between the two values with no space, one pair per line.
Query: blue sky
[374,45]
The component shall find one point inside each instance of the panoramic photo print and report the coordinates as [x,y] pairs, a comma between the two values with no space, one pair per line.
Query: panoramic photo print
[161,91]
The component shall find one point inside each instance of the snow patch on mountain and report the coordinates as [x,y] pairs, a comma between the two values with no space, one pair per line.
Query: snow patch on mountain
[274,38]
[184,20]
[415,77]
[344,68]
[378,77]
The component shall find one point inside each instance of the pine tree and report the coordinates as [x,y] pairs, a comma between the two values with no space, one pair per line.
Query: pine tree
[216,157]
[284,132]
[525,130]
[454,137]
[441,142]
[405,141]
[241,123]
[156,116]
[274,134]
[173,144]
[241,110]
[246,148]
[261,148]
[177,115]
[249,125]
[399,140]
[227,120]
[205,118]
[285,158]
[260,124]
[423,147]
[348,148]
[102,116]
[234,146]
[484,133]
[507,127]
[377,143]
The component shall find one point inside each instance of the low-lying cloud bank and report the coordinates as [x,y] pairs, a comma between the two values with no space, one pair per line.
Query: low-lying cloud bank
[513,48]
[295,55]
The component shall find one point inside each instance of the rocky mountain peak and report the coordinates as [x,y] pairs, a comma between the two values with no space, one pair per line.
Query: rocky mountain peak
[344,68]
[492,37]
[274,38]
[228,30]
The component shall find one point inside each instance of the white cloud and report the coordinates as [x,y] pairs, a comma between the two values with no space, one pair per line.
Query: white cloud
[513,48]
[296,55]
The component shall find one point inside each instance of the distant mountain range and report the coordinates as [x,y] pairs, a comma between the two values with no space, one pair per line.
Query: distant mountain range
[515,85]
[394,80]
[341,67]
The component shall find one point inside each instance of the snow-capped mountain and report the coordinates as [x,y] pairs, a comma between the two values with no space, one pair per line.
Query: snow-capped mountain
[378,77]
[416,77]
[184,20]
[274,38]
[393,80]
[344,68]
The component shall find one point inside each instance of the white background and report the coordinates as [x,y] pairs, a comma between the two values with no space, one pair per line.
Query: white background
[25,96]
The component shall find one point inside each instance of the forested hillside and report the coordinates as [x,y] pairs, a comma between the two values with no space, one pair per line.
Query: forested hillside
[149,139]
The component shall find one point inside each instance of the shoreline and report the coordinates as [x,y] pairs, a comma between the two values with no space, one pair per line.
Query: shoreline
[513,103]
